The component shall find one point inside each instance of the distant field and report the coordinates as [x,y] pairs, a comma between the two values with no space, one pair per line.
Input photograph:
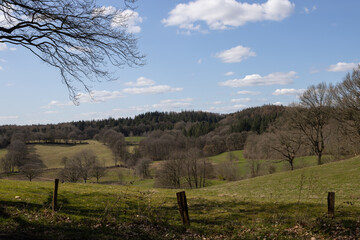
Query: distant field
[287,205]
[134,139]
[2,152]
[52,154]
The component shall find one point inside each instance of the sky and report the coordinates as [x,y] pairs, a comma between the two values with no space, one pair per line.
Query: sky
[219,56]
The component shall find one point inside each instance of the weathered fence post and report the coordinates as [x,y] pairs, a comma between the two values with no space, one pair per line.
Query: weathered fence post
[331,204]
[183,207]
[54,201]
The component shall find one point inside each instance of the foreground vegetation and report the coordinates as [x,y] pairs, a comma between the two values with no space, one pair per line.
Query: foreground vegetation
[288,205]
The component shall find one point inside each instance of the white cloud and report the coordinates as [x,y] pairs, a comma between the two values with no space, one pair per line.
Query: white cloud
[241,100]
[127,19]
[51,112]
[79,50]
[227,109]
[288,91]
[235,54]
[244,92]
[173,103]
[5,118]
[140,82]
[57,104]
[309,10]
[314,70]
[133,19]
[224,14]
[4,47]
[1,68]
[152,90]
[257,80]
[199,61]
[342,67]
[217,102]
[229,73]
[98,96]
[277,103]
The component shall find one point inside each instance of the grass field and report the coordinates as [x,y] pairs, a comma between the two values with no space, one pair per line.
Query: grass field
[134,139]
[3,152]
[286,205]
[279,166]
[51,155]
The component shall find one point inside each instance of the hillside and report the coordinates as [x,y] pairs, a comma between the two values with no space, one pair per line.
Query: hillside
[288,205]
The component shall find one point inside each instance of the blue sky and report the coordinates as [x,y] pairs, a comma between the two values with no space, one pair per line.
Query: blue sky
[211,55]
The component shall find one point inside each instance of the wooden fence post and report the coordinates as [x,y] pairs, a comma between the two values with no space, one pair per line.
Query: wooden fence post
[54,201]
[331,204]
[183,208]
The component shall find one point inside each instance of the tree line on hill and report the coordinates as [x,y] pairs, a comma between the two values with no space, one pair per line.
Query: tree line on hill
[326,121]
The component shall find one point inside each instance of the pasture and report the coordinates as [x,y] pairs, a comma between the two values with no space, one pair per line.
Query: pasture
[286,205]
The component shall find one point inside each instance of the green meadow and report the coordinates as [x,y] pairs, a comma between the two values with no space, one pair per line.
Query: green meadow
[52,154]
[285,205]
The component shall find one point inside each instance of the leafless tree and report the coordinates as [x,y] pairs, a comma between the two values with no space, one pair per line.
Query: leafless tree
[229,169]
[142,168]
[169,174]
[255,150]
[347,104]
[97,171]
[285,143]
[79,166]
[79,38]
[15,157]
[312,116]
[31,170]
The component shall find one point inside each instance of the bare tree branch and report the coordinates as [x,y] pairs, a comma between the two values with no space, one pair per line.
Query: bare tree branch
[79,38]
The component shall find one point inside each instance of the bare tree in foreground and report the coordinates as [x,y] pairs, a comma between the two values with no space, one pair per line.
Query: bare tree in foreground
[312,117]
[77,37]
[347,104]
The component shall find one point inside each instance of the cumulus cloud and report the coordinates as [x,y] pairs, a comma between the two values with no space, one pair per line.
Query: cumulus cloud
[241,100]
[288,91]
[170,104]
[244,92]
[152,90]
[127,19]
[98,96]
[133,19]
[258,80]
[235,54]
[342,67]
[224,14]
[229,73]
[277,103]
[140,82]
